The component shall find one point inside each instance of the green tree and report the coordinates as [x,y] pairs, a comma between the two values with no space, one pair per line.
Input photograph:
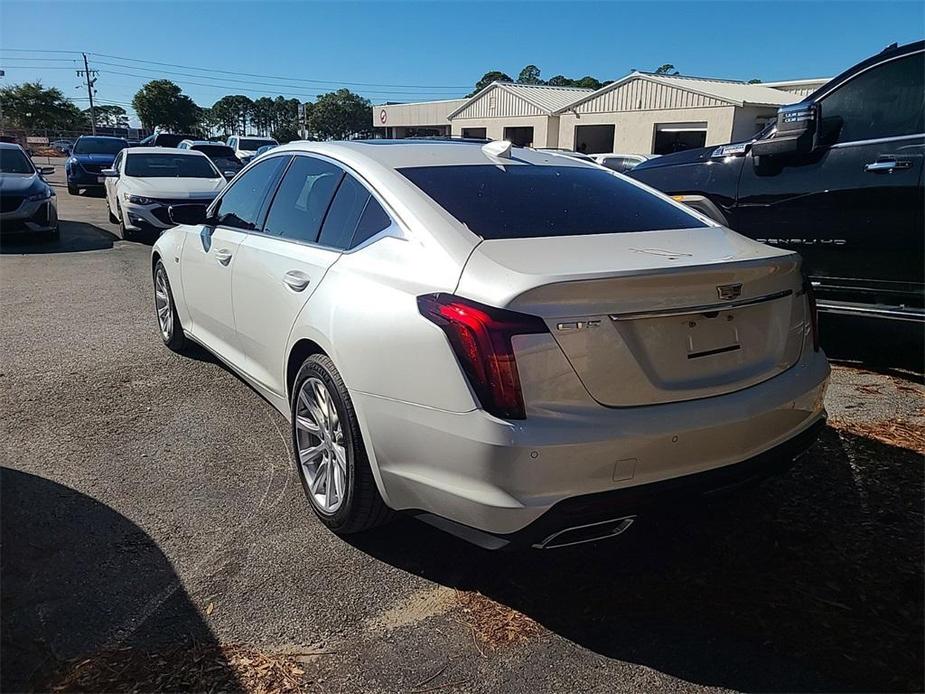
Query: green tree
[530,75]
[588,82]
[560,81]
[30,105]
[488,78]
[109,116]
[340,115]
[666,69]
[161,103]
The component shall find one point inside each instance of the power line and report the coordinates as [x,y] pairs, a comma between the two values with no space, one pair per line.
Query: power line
[244,74]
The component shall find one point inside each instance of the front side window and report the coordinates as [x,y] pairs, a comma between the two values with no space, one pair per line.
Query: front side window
[169,166]
[885,101]
[522,201]
[14,161]
[99,145]
[242,202]
[303,199]
[118,161]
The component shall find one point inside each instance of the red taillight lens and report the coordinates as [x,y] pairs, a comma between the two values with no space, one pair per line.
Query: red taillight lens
[481,339]
[813,312]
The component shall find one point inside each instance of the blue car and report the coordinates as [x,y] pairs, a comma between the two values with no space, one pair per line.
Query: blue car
[90,155]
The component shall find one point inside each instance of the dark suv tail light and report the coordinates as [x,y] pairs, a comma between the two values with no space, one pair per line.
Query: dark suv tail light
[813,312]
[481,339]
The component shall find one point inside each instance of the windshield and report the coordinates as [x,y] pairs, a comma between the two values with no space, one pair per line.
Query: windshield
[13,161]
[169,166]
[251,144]
[99,145]
[227,163]
[169,139]
[524,201]
[213,151]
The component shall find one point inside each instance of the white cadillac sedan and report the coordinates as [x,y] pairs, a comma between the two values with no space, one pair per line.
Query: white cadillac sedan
[145,181]
[517,347]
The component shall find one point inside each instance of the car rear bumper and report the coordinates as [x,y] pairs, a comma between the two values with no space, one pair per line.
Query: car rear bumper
[501,477]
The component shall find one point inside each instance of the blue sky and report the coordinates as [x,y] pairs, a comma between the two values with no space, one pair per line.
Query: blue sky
[432,50]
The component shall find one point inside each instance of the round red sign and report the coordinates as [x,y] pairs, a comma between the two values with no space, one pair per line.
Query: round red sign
[383,116]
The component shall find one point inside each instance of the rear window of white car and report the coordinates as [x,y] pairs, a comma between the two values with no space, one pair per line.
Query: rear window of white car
[525,201]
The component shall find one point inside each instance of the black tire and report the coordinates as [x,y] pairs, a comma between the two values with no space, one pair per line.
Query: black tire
[54,234]
[174,338]
[123,232]
[362,507]
[73,190]
[112,218]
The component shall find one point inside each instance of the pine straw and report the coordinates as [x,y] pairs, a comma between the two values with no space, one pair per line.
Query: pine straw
[494,624]
[208,668]
[899,433]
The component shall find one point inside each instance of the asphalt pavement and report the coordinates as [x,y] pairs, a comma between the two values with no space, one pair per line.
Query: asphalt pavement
[149,500]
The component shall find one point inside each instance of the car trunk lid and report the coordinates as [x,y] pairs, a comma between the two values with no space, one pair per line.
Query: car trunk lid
[652,317]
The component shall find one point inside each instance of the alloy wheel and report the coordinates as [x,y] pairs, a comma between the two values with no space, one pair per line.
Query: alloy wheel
[162,303]
[320,446]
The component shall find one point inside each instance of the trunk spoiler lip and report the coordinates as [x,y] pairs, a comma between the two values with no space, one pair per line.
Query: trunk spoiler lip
[704,308]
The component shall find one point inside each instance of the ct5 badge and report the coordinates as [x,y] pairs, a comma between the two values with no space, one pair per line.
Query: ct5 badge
[577,325]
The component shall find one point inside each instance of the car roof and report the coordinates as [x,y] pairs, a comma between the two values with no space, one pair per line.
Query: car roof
[102,137]
[10,145]
[164,150]
[194,143]
[395,154]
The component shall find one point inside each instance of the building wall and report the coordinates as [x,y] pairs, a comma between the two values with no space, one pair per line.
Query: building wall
[634,131]
[545,130]
[498,101]
[745,123]
[424,114]
[645,95]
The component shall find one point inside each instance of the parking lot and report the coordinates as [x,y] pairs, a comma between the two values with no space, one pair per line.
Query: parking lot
[150,509]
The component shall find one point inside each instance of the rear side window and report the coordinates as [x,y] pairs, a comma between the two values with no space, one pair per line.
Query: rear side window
[240,206]
[344,214]
[303,199]
[524,201]
[373,220]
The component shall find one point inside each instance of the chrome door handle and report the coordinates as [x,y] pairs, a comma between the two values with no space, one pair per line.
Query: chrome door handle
[296,280]
[223,256]
[887,165]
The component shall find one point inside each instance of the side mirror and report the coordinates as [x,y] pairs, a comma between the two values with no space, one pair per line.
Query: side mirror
[191,214]
[796,129]
[112,173]
[46,170]
[229,174]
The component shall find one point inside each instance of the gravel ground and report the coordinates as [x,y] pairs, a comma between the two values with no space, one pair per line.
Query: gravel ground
[149,502]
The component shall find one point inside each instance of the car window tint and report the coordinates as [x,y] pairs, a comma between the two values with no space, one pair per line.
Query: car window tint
[302,199]
[524,201]
[240,206]
[885,101]
[345,212]
[373,220]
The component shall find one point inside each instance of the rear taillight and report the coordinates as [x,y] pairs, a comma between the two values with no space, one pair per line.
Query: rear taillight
[813,312]
[481,339]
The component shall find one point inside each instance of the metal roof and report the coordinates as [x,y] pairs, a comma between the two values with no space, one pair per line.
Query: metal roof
[729,91]
[546,99]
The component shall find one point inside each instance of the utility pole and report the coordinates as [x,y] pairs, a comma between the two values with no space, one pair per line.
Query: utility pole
[2,74]
[90,76]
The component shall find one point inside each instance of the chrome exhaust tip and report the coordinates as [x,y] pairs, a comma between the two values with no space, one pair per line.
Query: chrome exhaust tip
[591,532]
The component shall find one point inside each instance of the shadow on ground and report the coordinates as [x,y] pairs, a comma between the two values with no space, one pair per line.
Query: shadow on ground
[79,579]
[75,237]
[811,581]
[896,348]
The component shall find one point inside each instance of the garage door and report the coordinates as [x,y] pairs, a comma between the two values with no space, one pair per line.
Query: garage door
[677,137]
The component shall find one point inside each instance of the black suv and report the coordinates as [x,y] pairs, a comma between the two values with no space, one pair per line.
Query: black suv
[838,178]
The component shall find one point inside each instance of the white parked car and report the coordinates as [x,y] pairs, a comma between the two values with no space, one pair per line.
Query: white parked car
[517,347]
[621,162]
[245,148]
[145,181]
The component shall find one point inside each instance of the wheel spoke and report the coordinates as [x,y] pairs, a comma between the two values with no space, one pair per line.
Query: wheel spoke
[320,474]
[340,456]
[328,486]
[306,424]
[310,454]
[338,481]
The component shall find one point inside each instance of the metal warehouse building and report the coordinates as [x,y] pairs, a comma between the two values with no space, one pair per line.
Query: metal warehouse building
[641,113]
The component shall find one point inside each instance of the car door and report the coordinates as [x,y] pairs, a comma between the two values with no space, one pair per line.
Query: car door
[111,184]
[209,258]
[311,220]
[852,208]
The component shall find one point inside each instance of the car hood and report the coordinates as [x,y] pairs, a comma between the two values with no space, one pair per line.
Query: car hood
[20,184]
[688,156]
[173,188]
[95,158]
